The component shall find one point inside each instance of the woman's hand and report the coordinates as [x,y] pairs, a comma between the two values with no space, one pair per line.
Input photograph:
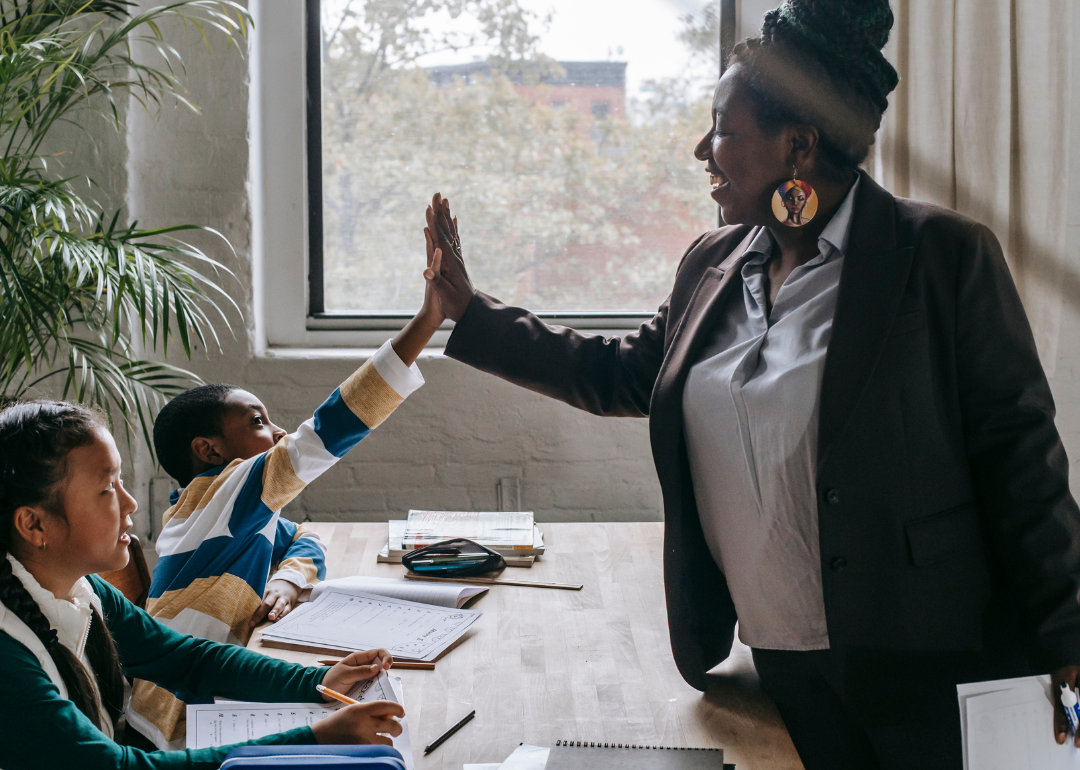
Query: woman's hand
[1068,674]
[446,272]
[356,667]
[279,598]
[360,723]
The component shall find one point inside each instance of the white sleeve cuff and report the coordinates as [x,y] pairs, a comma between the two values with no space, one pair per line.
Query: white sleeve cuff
[291,576]
[405,380]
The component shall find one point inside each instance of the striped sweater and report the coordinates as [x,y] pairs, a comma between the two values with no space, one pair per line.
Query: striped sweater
[224,532]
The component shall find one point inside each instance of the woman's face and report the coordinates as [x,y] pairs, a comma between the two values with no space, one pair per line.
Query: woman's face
[744,164]
[92,534]
[795,200]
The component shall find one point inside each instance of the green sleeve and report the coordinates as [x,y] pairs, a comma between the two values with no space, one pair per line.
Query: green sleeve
[40,729]
[182,663]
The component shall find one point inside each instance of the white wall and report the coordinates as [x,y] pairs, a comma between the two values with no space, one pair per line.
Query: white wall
[449,445]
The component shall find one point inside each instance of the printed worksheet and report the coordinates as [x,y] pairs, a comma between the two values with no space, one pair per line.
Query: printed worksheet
[227,722]
[1012,729]
[440,594]
[359,621]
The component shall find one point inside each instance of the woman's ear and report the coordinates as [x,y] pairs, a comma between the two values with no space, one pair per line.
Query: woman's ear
[803,144]
[29,524]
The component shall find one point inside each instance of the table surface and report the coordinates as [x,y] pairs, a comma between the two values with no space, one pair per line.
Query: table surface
[546,664]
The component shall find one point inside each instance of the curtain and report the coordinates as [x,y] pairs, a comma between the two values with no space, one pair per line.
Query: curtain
[980,123]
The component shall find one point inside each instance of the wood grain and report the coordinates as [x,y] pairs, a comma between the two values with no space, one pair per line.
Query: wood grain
[593,664]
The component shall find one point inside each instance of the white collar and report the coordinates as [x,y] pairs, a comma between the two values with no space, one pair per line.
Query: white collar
[70,617]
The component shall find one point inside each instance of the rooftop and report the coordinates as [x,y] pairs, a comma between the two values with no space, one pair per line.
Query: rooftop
[583,74]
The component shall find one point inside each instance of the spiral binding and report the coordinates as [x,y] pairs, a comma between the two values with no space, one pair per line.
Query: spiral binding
[598,745]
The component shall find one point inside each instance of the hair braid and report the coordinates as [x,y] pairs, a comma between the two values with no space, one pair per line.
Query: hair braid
[35,439]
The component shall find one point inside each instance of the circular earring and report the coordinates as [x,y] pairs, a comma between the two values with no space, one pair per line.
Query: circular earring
[43,546]
[794,203]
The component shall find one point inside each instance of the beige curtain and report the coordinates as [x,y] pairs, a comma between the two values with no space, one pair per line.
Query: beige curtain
[980,123]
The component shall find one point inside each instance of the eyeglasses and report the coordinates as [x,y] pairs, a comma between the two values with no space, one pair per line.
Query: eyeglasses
[453,558]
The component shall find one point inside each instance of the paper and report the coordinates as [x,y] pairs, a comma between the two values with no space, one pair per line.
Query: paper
[360,621]
[1008,725]
[228,722]
[490,528]
[526,757]
[438,594]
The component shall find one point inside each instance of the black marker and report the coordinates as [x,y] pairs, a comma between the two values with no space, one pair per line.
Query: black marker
[439,741]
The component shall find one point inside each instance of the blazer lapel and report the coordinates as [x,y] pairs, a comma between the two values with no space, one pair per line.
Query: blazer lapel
[872,283]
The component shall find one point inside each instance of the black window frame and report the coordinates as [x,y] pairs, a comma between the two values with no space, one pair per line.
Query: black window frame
[314,193]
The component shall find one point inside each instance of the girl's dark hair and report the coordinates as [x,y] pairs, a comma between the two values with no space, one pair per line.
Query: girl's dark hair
[819,62]
[35,440]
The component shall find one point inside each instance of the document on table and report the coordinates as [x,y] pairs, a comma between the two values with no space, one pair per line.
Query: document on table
[228,722]
[1008,725]
[438,594]
[358,621]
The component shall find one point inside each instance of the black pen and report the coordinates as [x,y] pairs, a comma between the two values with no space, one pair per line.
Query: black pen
[439,741]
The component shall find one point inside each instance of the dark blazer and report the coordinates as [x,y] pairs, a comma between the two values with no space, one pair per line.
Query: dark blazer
[944,509]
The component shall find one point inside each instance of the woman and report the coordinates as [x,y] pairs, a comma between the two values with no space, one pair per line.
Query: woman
[68,638]
[849,421]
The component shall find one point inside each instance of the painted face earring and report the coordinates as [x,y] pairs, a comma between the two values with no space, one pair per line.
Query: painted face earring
[794,203]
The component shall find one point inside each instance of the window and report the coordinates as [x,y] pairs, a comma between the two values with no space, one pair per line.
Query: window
[561,132]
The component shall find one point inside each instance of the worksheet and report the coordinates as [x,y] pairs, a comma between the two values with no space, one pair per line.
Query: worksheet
[227,722]
[1012,729]
[359,621]
[440,594]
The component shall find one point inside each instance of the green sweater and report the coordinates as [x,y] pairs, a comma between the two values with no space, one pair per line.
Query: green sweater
[40,729]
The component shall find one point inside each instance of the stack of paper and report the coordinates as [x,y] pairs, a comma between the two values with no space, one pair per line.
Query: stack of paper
[341,622]
[227,722]
[515,555]
[1009,725]
[438,594]
[511,530]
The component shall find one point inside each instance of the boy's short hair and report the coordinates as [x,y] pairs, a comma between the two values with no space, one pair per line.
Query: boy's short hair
[195,413]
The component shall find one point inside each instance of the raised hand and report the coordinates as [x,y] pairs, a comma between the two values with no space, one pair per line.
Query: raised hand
[446,272]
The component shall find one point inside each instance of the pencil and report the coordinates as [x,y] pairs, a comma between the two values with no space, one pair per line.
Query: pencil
[439,741]
[335,695]
[402,664]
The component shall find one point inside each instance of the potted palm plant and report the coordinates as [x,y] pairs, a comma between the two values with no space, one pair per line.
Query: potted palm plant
[85,294]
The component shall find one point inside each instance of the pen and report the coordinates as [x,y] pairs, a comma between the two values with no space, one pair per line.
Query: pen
[335,695]
[439,741]
[1072,706]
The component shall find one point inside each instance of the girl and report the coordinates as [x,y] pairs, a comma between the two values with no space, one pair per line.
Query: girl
[69,638]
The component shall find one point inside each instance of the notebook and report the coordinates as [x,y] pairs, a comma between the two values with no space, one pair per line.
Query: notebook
[582,755]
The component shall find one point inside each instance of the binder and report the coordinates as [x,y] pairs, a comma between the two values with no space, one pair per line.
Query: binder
[579,755]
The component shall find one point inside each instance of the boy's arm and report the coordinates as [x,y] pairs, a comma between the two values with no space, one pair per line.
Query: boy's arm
[299,554]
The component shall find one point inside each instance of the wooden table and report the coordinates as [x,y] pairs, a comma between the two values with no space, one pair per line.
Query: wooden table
[544,664]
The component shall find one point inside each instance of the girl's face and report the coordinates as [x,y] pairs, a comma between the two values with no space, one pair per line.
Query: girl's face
[92,535]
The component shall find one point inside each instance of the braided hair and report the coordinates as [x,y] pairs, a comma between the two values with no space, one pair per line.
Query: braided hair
[35,440]
[819,62]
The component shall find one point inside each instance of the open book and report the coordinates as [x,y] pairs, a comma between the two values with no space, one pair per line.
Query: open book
[438,594]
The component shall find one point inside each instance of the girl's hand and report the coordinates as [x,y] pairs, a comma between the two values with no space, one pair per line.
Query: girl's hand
[356,667]
[431,314]
[360,723]
[447,273]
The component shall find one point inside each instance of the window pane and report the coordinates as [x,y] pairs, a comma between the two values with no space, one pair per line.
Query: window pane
[562,131]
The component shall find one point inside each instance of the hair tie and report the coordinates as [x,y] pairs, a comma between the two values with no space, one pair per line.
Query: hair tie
[51,640]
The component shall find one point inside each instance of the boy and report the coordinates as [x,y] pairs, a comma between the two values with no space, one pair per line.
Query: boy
[237,470]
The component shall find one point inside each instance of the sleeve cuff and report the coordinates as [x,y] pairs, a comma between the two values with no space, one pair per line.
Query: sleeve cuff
[405,380]
[292,576]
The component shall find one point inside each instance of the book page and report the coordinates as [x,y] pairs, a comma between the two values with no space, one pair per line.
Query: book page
[438,594]
[490,528]
[228,722]
[364,621]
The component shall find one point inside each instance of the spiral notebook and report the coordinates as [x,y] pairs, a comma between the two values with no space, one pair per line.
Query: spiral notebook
[579,755]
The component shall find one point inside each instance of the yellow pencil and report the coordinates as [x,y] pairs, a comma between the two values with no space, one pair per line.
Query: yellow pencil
[335,695]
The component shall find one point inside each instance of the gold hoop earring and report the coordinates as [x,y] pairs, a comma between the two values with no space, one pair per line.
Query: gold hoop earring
[794,203]
[43,546]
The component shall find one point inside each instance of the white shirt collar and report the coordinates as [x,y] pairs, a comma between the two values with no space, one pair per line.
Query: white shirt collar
[70,617]
[835,236]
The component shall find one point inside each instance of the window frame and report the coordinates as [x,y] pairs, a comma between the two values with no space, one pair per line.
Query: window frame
[287,194]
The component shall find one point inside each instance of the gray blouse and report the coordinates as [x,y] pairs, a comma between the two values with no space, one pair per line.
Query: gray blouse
[751,416]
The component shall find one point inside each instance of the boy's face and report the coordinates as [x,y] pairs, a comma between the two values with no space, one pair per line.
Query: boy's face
[246,431]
